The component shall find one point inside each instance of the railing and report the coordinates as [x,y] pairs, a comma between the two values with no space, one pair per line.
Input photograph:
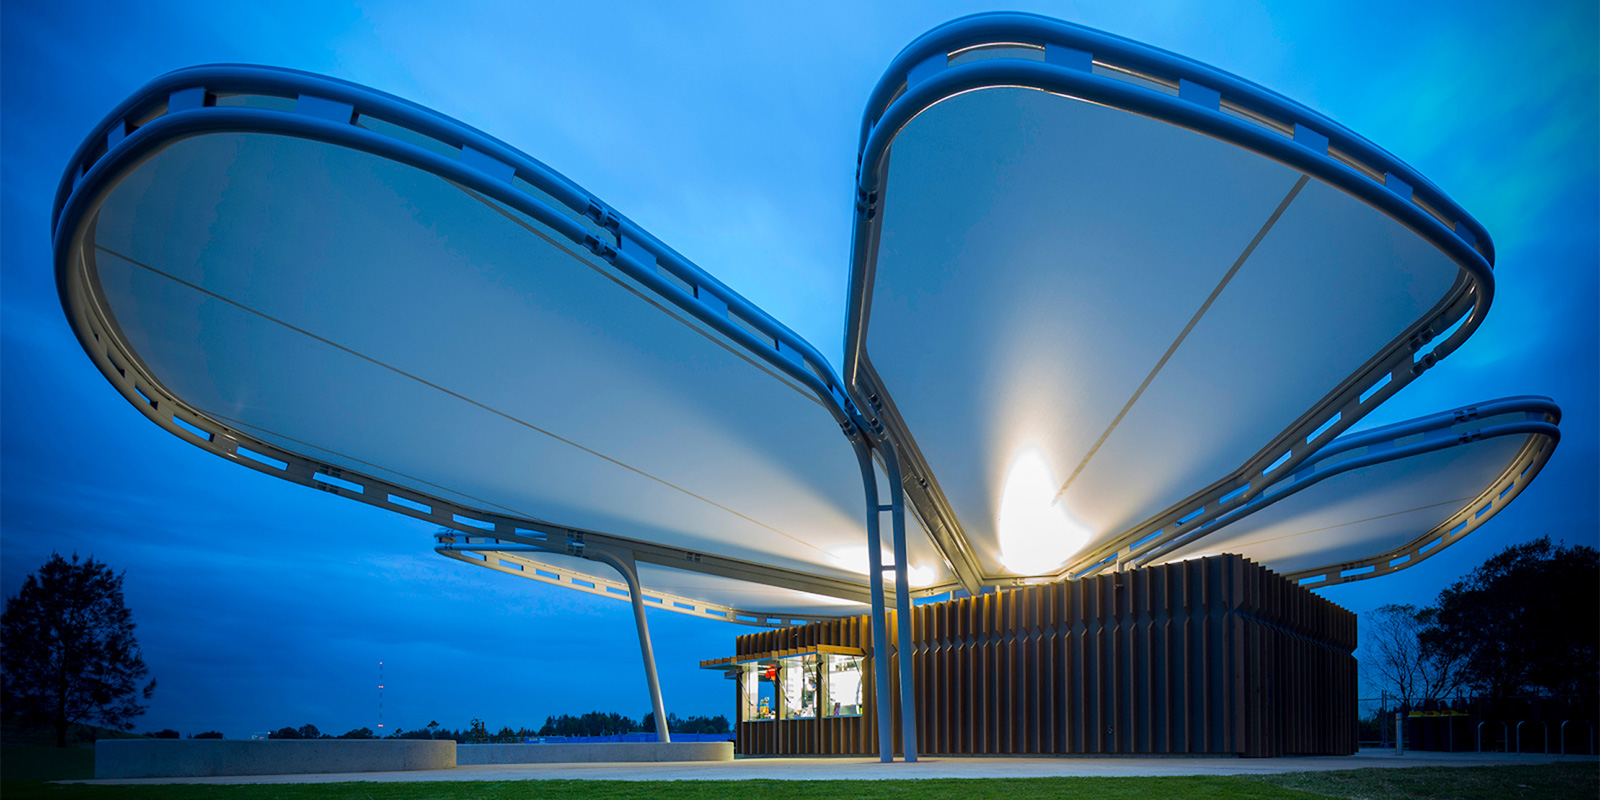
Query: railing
[1505,734]
[1546,734]
[1563,734]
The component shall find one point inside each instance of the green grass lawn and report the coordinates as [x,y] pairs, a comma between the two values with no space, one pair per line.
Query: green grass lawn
[30,753]
[1464,783]
[1556,782]
[24,762]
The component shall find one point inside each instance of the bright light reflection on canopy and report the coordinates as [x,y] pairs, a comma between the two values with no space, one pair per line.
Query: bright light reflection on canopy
[1036,533]
[855,560]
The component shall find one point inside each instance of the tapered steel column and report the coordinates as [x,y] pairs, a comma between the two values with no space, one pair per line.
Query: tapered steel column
[623,563]
[880,634]
[902,604]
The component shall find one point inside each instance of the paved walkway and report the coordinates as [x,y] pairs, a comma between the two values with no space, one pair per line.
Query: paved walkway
[814,769]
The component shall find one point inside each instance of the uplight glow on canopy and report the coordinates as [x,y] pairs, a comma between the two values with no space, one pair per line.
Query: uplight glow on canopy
[1120,252]
[1036,533]
[855,559]
[1088,288]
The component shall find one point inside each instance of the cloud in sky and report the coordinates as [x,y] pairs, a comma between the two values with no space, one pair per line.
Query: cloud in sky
[729,131]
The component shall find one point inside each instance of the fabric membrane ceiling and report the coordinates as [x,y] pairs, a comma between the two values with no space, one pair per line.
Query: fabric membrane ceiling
[1109,307]
[1091,285]
[1390,496]
[383,320]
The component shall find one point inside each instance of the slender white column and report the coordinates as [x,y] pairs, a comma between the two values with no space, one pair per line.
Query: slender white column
[624,564]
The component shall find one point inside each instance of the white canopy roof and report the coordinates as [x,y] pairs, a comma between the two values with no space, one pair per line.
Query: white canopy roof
[1098,287]
[1103,297]
[1388,497]
[340,299]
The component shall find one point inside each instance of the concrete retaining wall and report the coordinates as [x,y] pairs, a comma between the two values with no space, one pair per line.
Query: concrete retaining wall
[175,758]
[594,752]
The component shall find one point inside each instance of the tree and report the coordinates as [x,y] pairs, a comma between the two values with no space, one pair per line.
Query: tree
[358,733]
[1401,662]
[594,723]
[1525,619]
[69,653]
[207,735]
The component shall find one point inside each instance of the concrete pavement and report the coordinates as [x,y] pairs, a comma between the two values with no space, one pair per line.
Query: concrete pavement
[811,769]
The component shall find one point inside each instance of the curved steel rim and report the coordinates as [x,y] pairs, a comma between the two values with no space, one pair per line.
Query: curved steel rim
[1381,445]
[532,567]
[977,30]
[917,80]
[483,165]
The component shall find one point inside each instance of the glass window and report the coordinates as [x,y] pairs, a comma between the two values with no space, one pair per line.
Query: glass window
[802,687]
[760,693]
[798,679]
[843,680]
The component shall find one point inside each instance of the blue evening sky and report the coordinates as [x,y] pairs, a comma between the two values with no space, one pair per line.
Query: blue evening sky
[729,131]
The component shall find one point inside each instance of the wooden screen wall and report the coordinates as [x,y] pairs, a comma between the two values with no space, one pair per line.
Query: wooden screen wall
[1216,655]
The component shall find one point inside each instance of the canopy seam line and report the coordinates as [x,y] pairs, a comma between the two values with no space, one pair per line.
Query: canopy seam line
[456,395]
[1187,329]
[711,336]
[1356,521]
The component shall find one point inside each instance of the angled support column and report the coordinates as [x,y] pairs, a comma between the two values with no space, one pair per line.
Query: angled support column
[880,635]
[902,603]
[623,562]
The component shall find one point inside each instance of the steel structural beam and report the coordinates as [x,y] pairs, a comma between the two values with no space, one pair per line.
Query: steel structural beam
[902,605]
[623,562]
[1540,421]
[880,625]
[519,560]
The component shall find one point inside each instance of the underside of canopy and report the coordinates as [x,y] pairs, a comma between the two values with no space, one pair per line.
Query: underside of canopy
[335,287]
[1099,288]
[1108,307]
[1386,498]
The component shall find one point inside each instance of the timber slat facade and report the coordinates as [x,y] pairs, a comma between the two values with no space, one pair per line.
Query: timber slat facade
[1209,656]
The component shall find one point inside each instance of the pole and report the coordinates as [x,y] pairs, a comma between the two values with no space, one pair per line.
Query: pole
[880,635]
[902,605]
[1399,733]
[623,562]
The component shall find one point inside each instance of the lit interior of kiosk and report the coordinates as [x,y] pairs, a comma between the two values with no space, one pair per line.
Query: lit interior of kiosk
[810,683]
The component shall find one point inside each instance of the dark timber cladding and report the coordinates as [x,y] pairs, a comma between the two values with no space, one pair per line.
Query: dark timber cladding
[1216,655]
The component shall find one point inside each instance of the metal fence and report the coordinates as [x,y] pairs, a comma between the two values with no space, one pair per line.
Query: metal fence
[1524,724]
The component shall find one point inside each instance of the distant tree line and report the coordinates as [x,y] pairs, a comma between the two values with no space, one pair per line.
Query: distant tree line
[1526,621]
[309,731]
[594,723]
[168,733]
[675,724]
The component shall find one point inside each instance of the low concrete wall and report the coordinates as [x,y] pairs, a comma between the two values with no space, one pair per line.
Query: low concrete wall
[185,758]
[595,752]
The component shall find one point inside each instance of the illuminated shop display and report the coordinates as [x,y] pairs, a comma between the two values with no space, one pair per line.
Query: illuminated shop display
[818,683]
